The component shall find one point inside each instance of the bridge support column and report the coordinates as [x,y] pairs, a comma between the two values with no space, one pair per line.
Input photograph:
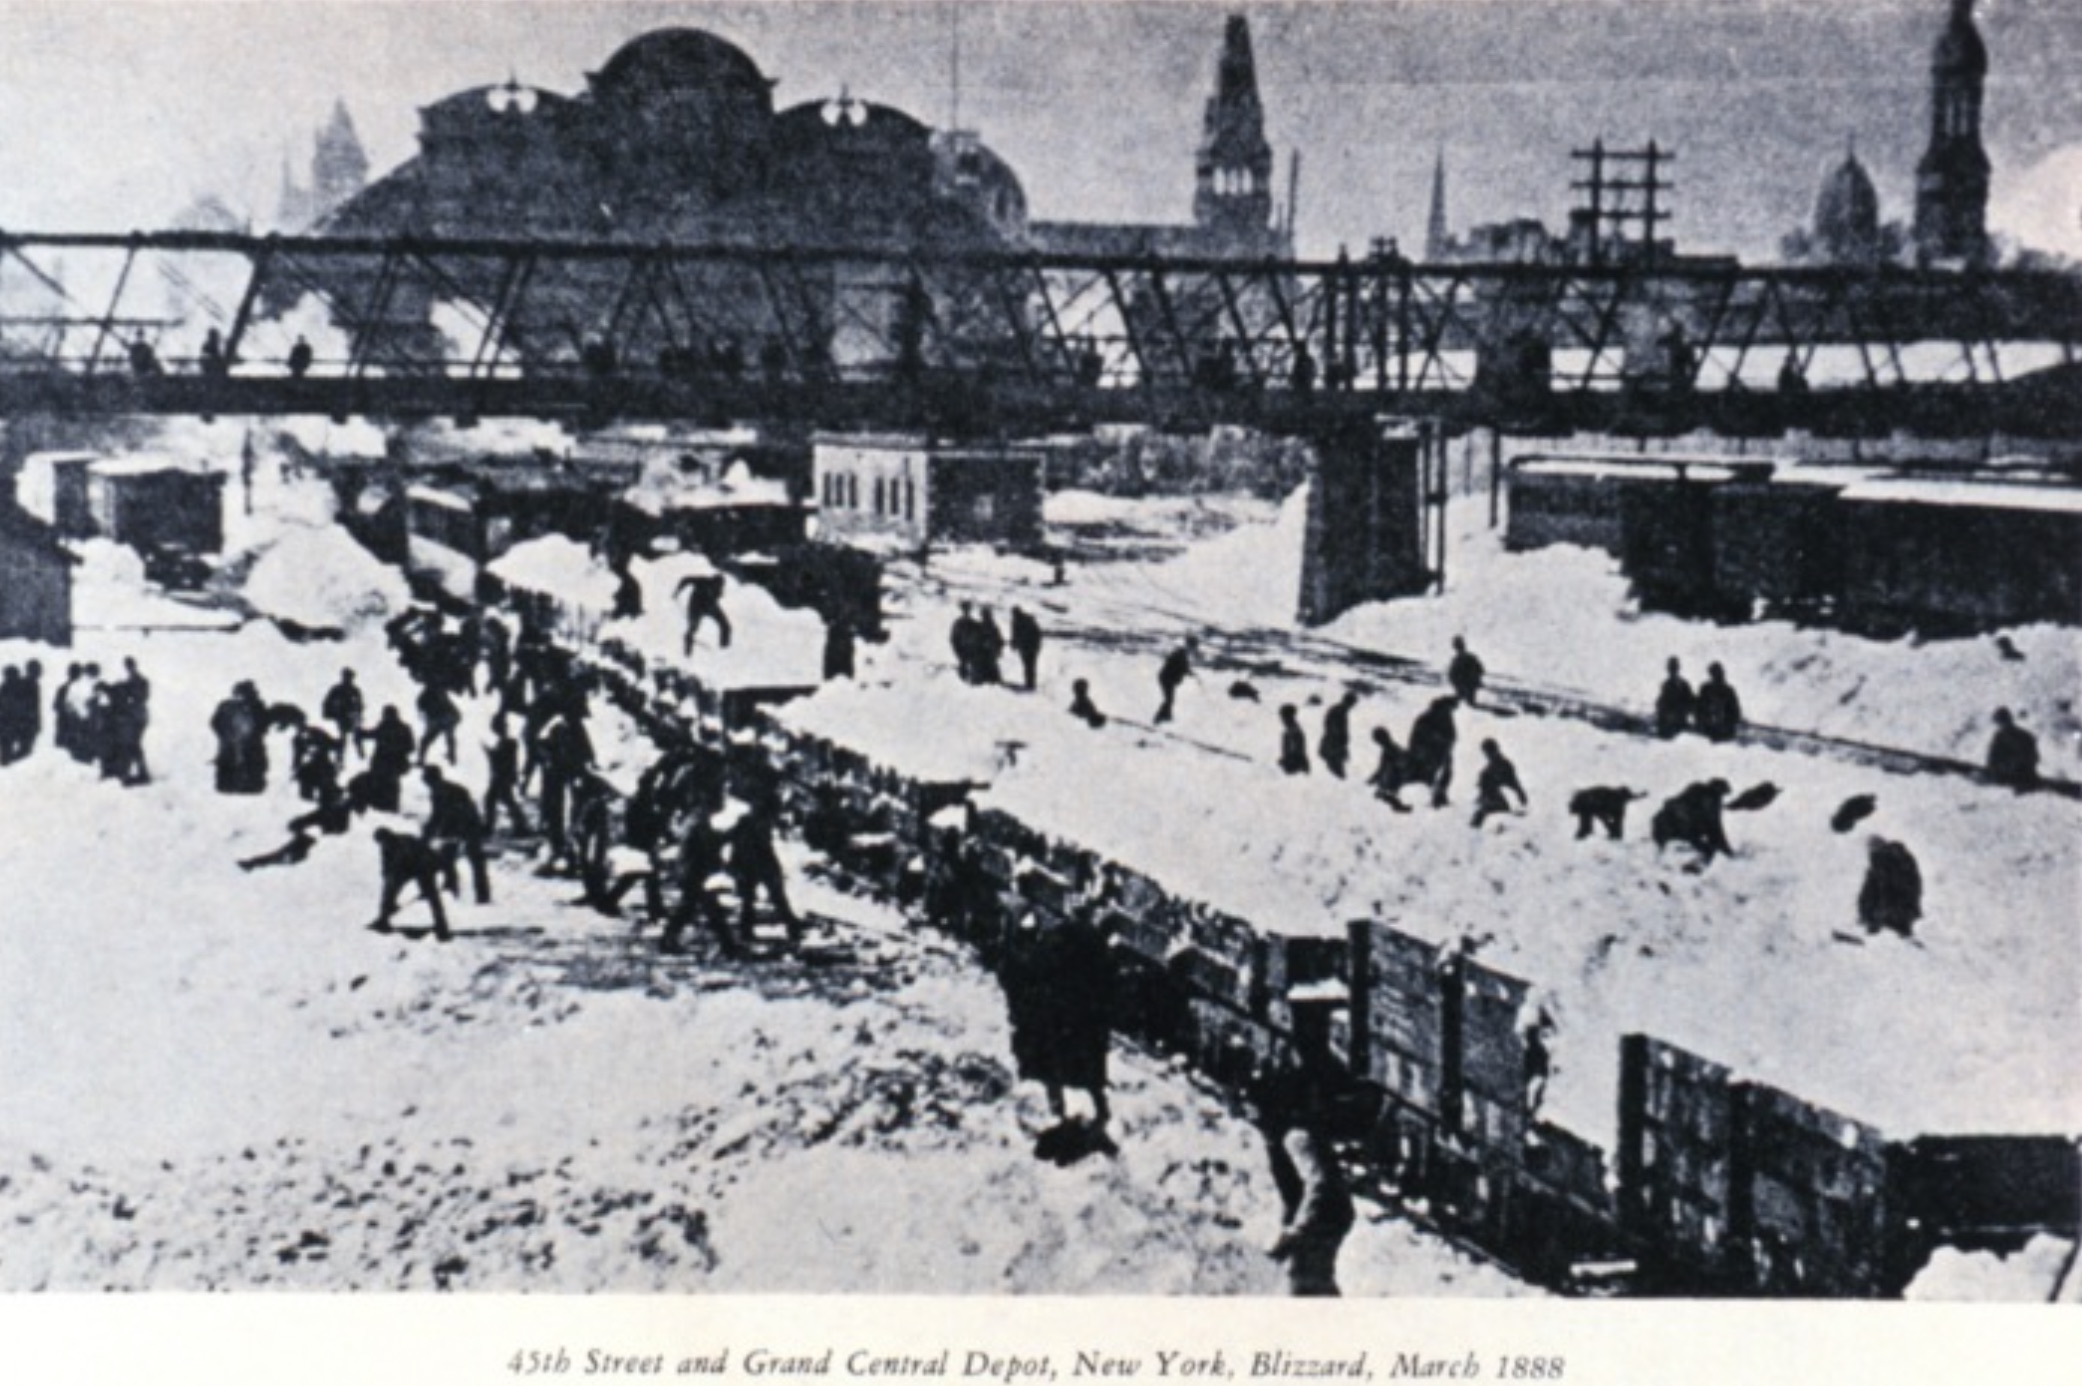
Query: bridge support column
[1367,519]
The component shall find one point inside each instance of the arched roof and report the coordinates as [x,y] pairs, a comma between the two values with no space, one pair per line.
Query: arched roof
[507,98]
[678,60]
[1847,203]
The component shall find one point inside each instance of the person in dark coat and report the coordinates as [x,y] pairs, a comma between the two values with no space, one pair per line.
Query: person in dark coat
[1892,896]
[81,695]
[32,706]
[502,778]
[1026,643]
[455,827]
[1391,771]
[1176,669]
[628,593]
[12,722]
[1293,743]
[1718,712]
[240,725]
[961,640]
[64,731]
[700,858]
[564,751]
[1430,755]
[1316,1205]
[1604,806]
[1495,784]
[2013,754]
[438,719]
[129,715]
[1464,672]
[1059,981]
[1335,745]
[1673,703]
[1081,705]
[755,868]
[333,815]
[704,595]
[390,757]
[406,860]
[314,763]
[990,649]
[1693,817]
[343,708]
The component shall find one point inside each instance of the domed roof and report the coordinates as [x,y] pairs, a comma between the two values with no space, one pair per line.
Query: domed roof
[1959,50]
[1847,201]
[678,60]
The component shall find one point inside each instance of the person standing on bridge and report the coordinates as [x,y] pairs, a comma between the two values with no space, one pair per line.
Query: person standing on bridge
[1718,712]
[1464,672]
[1177,668]
[300,356]
[1673,703]
[1026,643]
[1293,743]
[1335,746]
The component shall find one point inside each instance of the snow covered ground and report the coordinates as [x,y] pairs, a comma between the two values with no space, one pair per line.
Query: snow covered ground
[221,1080]
[1970,1028]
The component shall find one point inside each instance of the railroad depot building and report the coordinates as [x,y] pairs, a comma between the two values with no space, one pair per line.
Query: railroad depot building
[907,493]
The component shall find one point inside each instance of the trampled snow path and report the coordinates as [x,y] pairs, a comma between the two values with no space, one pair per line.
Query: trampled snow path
[221,1080]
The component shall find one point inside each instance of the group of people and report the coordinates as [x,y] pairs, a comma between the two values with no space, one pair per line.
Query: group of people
[97,721]
[1712,709]
[979,644]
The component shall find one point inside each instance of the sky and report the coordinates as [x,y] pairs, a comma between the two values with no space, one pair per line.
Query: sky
[115,116]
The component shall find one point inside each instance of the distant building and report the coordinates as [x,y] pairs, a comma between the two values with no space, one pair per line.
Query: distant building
[1233,212]
[1952,177]
[1846,229]
[35,580]
[339,171]
[909,494]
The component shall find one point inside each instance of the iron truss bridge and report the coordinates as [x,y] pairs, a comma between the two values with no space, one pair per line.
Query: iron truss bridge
[207,323]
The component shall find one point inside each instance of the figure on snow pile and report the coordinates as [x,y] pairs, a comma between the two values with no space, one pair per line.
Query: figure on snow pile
[1391,772]
[1465,672]
[704,594]
[240,724]
[1892,896]
[1693,817]
[1605,806]
[1026,643]
[1335,745]
[406,860]
[1673,703]
[1717,712]
[1497,781]
[1293,743]
[390,757]
[455,827]
[1429,759]
[2013,754]
[1177,668]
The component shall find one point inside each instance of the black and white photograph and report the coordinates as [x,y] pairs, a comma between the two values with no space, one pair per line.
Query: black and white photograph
[1409,650]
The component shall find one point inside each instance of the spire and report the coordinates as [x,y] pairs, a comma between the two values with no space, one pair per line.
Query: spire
[1232,184]
[1952,177]
[339,168]
[1436,236]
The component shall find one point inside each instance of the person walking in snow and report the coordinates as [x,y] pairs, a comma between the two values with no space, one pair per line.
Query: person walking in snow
[343,708]
[755,870]
[502,778]
[961,641]
[438,719]
[12,722]
[32,708]
[1315,1203]
[565,751]
[1604,806]
[1891,897]
[1335,745]
[1494,786]
[129,715]
[454,827]
[1718,712]
[1673,703]
[1176,669]
[390,756]
[1026,643]
[1059,980]
[82,698]
[2013,754]
[700,859]
[1430,755]
[838,648]
[704,598]
[1464,672]
[1293,743]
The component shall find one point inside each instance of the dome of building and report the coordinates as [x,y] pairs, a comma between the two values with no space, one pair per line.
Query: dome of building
[1959,50]
[1847,212]
[678,61]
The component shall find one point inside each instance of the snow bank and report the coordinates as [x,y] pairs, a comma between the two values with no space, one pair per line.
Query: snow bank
[2032,1274]
[558,567]
[109,592]
[322,579]
[1250,575]
[770,646]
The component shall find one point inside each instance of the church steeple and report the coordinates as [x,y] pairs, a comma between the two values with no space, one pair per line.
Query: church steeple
[1437,238]
[1952,178]
[339,167]
[1232,183]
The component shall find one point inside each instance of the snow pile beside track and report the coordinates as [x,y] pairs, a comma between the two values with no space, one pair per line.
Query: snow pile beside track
[323,579]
